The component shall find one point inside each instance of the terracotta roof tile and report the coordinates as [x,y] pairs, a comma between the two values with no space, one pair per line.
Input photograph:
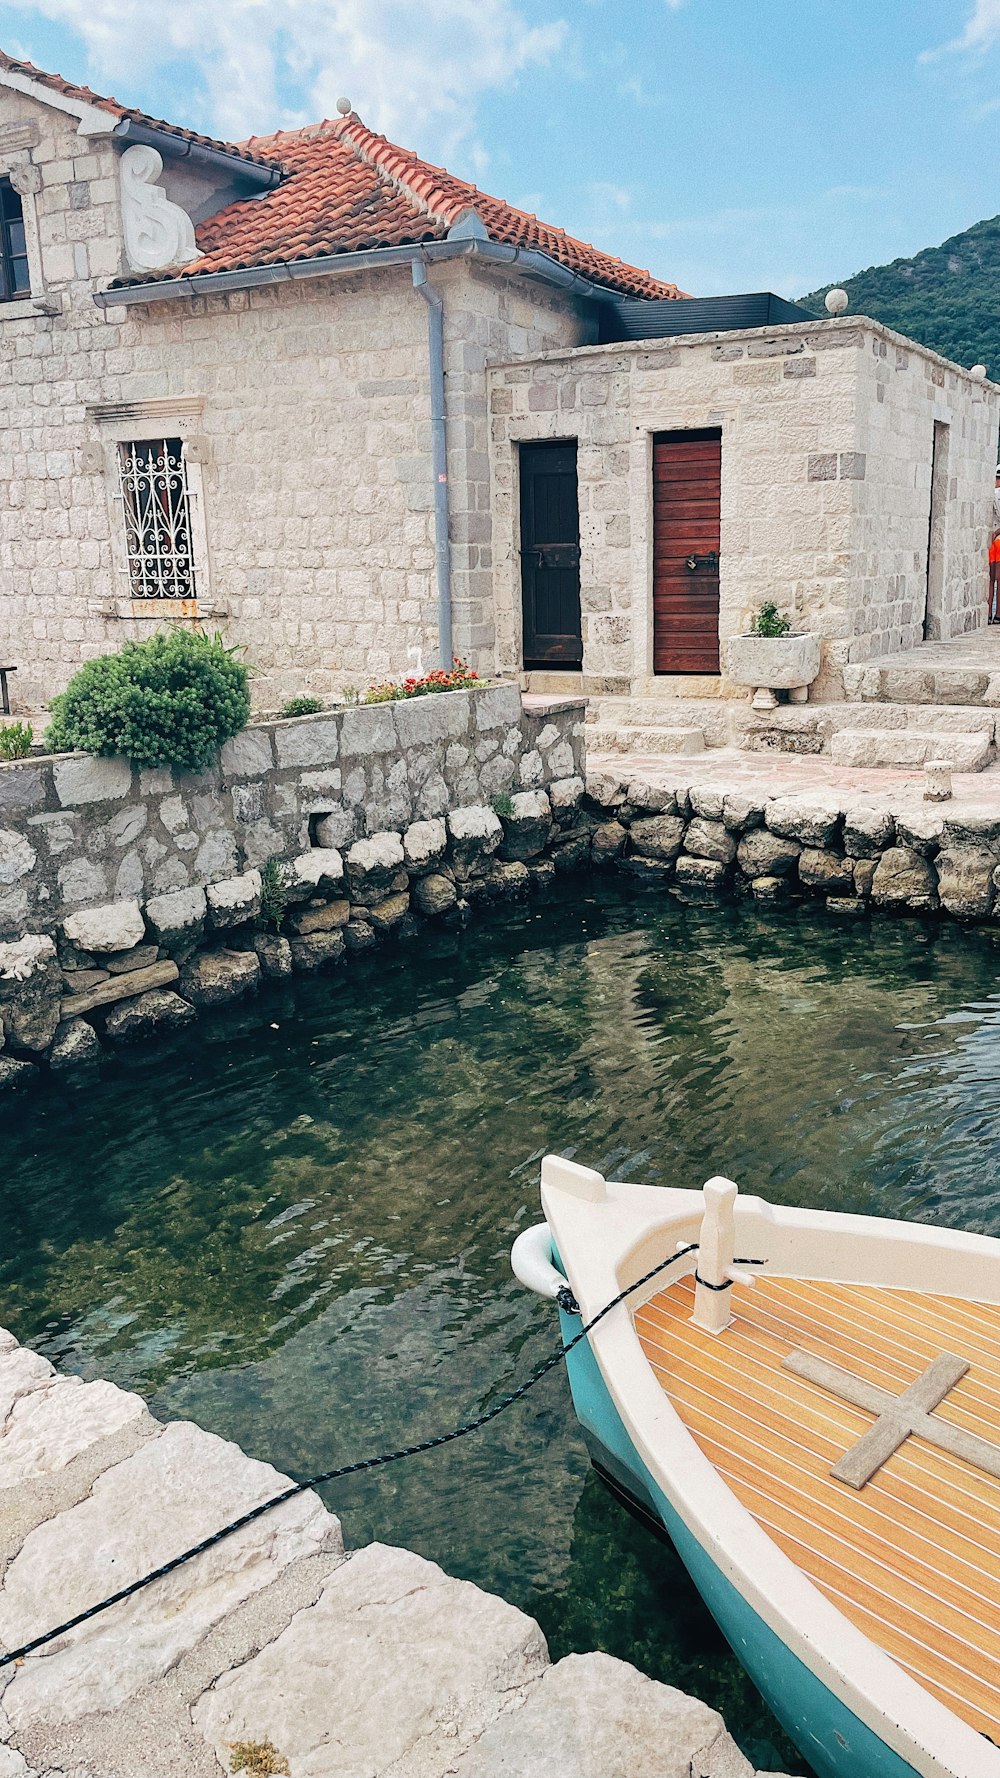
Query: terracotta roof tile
[348,190]
[69,90]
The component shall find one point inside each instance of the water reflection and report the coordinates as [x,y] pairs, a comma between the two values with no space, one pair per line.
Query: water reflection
[295,1230]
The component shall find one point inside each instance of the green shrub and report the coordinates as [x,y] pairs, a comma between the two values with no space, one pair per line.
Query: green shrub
[15,740]
[767,620]
[503,805]
[171,701]
[273,895]
[302,707]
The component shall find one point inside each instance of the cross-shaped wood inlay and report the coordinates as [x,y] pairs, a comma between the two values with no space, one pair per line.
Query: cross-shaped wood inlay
[899,1417]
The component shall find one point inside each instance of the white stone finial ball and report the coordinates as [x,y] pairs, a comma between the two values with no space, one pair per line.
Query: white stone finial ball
[978,371]
[345,107]
[836,301]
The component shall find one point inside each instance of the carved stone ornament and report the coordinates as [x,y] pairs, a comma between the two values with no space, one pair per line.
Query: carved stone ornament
[25,179]
[158,234]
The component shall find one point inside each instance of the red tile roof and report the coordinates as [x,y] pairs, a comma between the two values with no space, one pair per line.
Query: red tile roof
[348,189]
[69,90]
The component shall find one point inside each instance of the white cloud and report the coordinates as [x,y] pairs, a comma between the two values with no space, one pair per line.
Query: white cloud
[981,31]
[607,196]
[414,71]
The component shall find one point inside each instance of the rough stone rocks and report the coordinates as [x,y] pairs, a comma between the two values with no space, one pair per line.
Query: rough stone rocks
[150,1015]
[920,828]
[707,801]
[178,918]
[475,833]
[825,872]
[115,927]
[770,889]
[14,1075]
[320,869]
[709,839]
[741,812]
[565,795]
[359,935]
[510,880]
[607,841]
[336,829]
[122,962]
[605,789]
[26,957]
[214,978]
[30,986]
[699,873]
[868,831]
[372,866]
[593,1716]
[442,1659]
[274,955]
[76,1048]
[764,854]
[526,829]
[188,1483]
[327,918]
[386,915]
[54,1420]
[424,846]
[966,880]
[434,894]
[91,780]
[864,876]
[807,819]
[234,900]
[657,836]
[653,799]
[121,987]
[573,853]
[904,879]
[652,871]
[845,904]
[317,950]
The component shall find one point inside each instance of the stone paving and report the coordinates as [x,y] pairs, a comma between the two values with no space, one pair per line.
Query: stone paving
[779,774]
[365,1664]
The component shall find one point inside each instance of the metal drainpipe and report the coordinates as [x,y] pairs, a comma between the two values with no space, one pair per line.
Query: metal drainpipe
[439,442]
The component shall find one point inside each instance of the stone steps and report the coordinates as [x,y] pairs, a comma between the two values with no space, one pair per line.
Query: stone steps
[923,683]
[640,738]
[907,748]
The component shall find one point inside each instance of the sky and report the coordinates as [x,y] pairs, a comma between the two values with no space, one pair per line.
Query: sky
[728,145]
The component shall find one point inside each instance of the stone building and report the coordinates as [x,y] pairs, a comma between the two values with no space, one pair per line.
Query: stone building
[322,395]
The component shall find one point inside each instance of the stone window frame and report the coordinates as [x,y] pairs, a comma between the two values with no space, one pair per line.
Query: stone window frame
[26,180]
[139,423]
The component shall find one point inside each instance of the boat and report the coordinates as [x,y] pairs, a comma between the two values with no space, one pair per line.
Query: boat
[808,1405]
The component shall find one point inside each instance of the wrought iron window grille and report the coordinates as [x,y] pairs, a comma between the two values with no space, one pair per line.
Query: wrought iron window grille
[156,496]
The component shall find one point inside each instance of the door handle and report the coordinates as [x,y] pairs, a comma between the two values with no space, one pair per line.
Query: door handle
[711,562]
[556,555]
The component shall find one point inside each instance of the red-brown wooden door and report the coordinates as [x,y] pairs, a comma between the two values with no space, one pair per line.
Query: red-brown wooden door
[687,470]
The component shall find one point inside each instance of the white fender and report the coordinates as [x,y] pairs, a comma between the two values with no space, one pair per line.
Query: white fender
[531,1261]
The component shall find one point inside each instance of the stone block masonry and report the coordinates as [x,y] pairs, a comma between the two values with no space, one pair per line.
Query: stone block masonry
[130,898]
[372,1662]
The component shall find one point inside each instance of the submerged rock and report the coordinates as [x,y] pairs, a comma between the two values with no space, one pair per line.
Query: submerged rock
[657,836]
[76,1048]
[274,954]
[14,1075]
[214,978]
[764,854]
[316,950]
[434,894]
[150,1015]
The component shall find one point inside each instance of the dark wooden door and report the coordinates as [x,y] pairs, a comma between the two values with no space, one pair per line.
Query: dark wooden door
[550,556]
[686,501]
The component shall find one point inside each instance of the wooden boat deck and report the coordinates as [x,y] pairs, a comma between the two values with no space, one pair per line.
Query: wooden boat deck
[912,1558]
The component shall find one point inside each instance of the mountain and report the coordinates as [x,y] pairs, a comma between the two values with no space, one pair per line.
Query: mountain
[947,297]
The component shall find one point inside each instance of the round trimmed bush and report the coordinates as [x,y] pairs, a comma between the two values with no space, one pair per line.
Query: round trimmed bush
[171,701]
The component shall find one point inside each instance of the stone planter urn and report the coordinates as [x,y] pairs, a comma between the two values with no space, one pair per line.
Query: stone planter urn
[773,663]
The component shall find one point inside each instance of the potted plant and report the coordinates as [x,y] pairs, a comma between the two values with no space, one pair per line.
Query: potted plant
[772,657]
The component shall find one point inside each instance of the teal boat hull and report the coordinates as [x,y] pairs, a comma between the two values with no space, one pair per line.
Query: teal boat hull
[827,1734]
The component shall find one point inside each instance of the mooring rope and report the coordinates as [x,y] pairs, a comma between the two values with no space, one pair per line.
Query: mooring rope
[566,1301]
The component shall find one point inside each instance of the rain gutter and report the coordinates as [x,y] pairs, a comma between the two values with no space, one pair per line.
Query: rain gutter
[178,148]
[439,453]
[525,260]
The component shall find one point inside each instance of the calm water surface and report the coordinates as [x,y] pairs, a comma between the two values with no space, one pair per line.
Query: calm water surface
[294,1229]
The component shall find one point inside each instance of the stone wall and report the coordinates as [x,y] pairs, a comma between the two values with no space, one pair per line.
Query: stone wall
[129,898]
[306,412]
[858,851]
[827,435]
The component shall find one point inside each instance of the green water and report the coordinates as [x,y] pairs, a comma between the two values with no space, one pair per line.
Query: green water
[294,1227]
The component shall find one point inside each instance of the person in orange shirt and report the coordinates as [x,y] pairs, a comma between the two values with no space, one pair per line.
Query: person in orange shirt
[992,613]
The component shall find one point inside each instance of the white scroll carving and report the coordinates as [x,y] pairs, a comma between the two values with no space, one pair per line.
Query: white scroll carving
[158,233]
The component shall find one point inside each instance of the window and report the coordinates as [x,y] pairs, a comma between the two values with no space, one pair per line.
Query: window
[14,281]
[156,504]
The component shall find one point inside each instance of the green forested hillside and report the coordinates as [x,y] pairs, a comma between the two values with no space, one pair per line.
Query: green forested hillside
[947,297]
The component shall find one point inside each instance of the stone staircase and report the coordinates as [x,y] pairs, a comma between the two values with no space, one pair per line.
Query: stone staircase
[867,734]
